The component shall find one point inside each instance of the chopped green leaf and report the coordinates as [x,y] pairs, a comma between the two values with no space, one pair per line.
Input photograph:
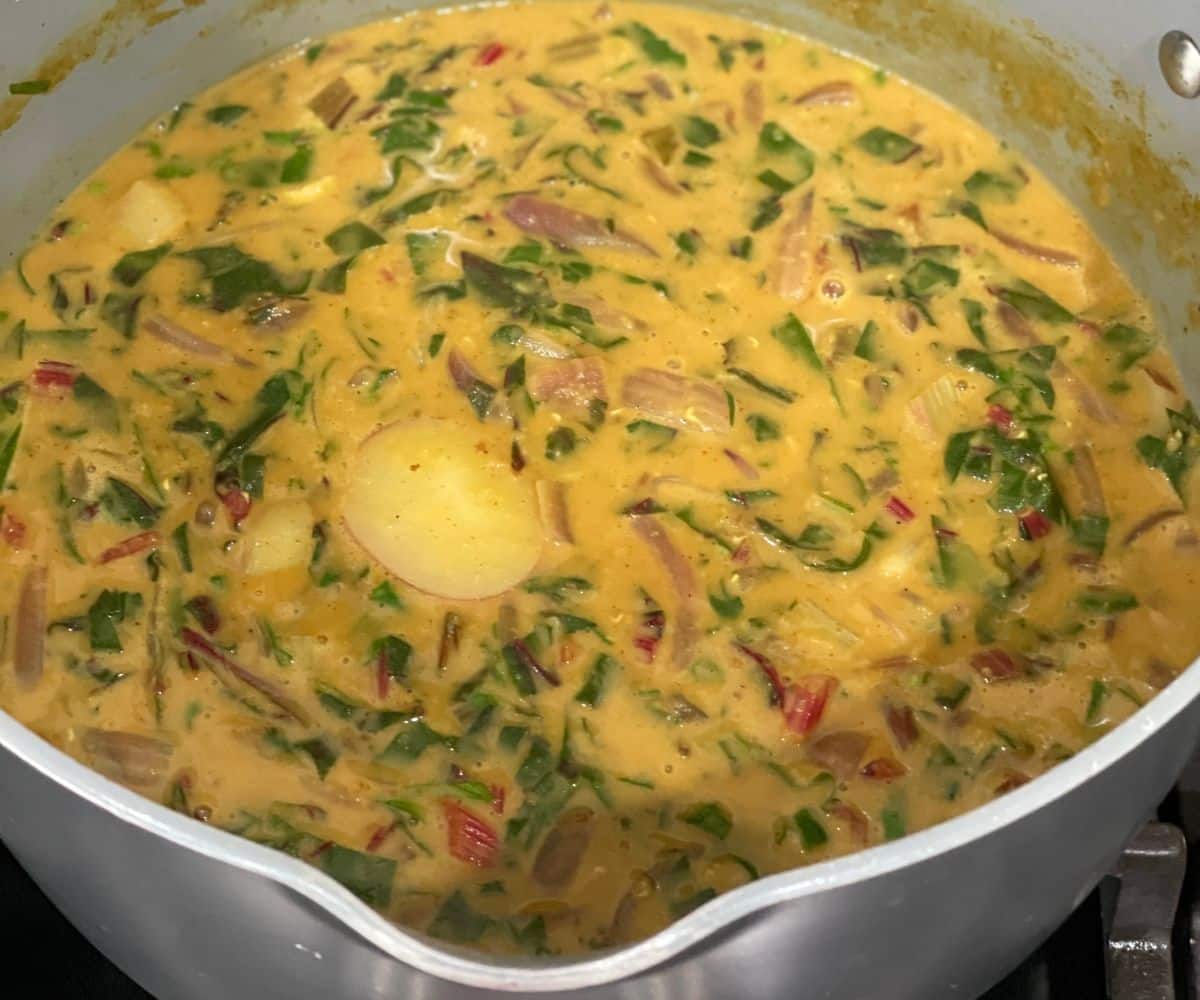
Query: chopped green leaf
[225,114]
[699,131]
[134,266]
[1032,303]
[812,833]
[884,144]
[656,49]
[711,817]
[353,238]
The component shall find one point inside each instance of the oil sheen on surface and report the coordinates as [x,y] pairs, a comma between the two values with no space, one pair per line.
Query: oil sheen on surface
[547,466]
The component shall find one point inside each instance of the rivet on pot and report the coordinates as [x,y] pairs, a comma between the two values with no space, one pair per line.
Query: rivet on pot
[1179,59]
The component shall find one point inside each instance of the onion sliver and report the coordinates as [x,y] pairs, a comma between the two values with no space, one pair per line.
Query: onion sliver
[30,647]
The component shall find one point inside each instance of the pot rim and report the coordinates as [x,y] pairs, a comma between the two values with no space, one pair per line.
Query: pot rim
[471,969]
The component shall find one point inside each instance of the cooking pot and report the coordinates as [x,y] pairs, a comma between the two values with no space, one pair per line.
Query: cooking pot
[192,912]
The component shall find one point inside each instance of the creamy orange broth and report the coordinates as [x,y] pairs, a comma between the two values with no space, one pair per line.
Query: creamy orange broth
[794,467]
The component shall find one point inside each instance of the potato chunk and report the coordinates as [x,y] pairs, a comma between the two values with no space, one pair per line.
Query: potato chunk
[149,214]
[438,505]
[278,536]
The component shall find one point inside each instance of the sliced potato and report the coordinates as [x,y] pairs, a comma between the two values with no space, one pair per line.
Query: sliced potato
[278,536]
[149,214]
[438,505]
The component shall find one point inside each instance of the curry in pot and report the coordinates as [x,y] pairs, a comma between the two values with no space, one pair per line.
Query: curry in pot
[549,465]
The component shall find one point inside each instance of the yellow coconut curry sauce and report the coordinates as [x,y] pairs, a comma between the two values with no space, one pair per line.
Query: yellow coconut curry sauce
[546,466]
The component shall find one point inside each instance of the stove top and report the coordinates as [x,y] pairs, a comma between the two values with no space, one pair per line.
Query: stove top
[1137,937]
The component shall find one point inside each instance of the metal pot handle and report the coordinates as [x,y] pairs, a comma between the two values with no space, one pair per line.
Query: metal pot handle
[1179,60]
[1138,959]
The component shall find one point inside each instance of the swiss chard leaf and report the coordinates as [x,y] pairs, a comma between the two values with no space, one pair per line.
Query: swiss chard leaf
[697,131]
[789,159]
[596,683]
[412,739]
[234,276]
[120,311]
[456,921]
[131,268]
[654,48]
[225,114]
[1106,601]
[108,611]
[507,287]
[1032,303]
[711,817]
[272,399]
[353,238]
[96,398]
[8,451]
[873,247]
[407,132]
[926,277]
[368,876]
[794,335]
[986,184]
[127,506]
[885,144]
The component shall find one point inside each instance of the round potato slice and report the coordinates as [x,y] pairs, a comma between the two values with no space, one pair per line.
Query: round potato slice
[438,505]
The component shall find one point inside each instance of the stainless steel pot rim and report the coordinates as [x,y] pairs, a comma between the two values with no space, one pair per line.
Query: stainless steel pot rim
[462,967]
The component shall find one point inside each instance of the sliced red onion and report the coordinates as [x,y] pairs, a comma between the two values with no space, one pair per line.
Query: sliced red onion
[576,382]
[839,752]
[1150,522]
[752,103]
[132,759]
[995,665]
[658,83]
[833,92]
[543,347]
[278,314]
[451,637]
[796,252]
[658,174]
[30,645]
[902,722]
[1091,490]
[883,769]
[851,815]
[566,227]
[556,516]
[558,858]
[683,580]
[677,401]
[1060,258]
[183,339]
